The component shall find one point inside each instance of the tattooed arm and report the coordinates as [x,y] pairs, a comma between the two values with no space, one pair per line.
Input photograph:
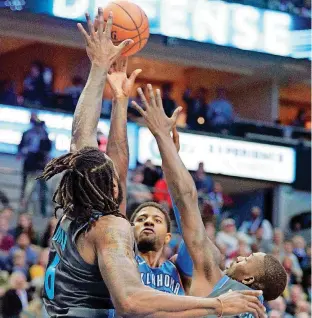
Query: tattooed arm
[117,147]
[113,242]
[102,54]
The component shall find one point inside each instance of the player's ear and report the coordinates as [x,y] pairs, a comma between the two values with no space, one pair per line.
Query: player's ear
[167,238]
[248,280]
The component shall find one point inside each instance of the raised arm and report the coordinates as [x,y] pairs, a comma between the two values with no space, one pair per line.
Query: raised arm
[117,147]
[102,53]
[113,241]
[204,254]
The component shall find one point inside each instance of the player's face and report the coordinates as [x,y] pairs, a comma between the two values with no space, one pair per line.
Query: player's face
[150,230]
[244,269]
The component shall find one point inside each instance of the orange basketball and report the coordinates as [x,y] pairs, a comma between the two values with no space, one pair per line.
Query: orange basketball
[129,22]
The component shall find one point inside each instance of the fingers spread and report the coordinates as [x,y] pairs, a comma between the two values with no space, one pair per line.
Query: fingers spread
[151,95]
[84,33]
[109,24]
[143,98]
[138,108]
[90,26]
[101,23]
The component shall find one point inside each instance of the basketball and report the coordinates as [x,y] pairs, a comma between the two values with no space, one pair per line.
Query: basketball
[129,22]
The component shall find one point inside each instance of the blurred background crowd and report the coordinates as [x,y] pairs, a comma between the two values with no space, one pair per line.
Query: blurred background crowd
[245,131]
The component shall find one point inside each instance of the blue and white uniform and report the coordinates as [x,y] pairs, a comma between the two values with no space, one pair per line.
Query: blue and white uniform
[165,278]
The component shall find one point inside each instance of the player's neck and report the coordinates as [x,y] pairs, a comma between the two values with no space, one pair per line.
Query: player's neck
[152,258]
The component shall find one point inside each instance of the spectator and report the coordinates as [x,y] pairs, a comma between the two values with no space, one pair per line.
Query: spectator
[278,238]
[6,240]
[220,113]
[263,245]
[299,249]
[218,199]
[7,213]
[204,183]
[7,93]
[25,225]
[196,117]
[37,270]
[35,147]
[5,202]
[227,237]
[250,227]
[20,264]
[34,86]
[294,276]
[279,304]
[300,119]
[137,191]
[151,175]
[133,114]
[303,307]
[76,89]
[48,233]
[296,295]
[288,253]
[16,299]
[161,193]
[210,230]
[168,103]
[23,243]
[274,314]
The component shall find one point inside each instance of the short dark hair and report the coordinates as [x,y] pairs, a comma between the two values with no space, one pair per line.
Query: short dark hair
[158,206]
[272,279]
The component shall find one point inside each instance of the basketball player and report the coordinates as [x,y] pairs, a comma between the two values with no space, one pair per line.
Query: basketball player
[152,233]
[91,267]
[258,271]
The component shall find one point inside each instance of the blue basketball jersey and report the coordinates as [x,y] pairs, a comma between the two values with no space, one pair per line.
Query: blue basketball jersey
[165,278]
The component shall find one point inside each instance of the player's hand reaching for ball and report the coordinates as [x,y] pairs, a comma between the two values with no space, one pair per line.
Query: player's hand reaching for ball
[118,80]
[100,48]
[245,301]
[154,114]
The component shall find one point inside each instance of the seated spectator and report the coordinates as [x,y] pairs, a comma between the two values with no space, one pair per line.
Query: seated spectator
[220,113]
[25,225]
[203,182]
[227,237]
[168,103]
[299,245]
[7,93]
[288,252]
[7,213]
[275,314]
[296,295]
[161,193]
[196,115]
[278,238]
[48,233]
[23,243]
[151,174]
[264,246]
[76,89]
[303,307]
[250,227]
[137,191]
[6,240]
[293,274]
[20,264]
[37,270]
[276,252]
[16,299]
[34,86]
[279,304]
[218,199]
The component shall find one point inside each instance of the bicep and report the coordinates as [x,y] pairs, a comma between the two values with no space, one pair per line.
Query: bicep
[114,248]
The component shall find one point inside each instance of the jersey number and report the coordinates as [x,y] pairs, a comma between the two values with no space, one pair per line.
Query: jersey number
[50,277]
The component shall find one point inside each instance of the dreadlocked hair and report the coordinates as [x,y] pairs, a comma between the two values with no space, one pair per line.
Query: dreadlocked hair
[86,185]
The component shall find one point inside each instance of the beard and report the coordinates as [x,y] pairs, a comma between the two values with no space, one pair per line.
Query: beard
[147,244]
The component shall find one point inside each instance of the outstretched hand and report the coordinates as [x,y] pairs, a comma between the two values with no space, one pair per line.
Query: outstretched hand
[100,48]
[119,83]
[154,115]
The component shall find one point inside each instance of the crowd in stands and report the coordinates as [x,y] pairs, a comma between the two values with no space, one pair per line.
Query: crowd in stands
[24,249]
[216,115]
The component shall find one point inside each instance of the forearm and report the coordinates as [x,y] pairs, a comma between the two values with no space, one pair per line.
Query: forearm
[117,146]
[151,303]
[88,110]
